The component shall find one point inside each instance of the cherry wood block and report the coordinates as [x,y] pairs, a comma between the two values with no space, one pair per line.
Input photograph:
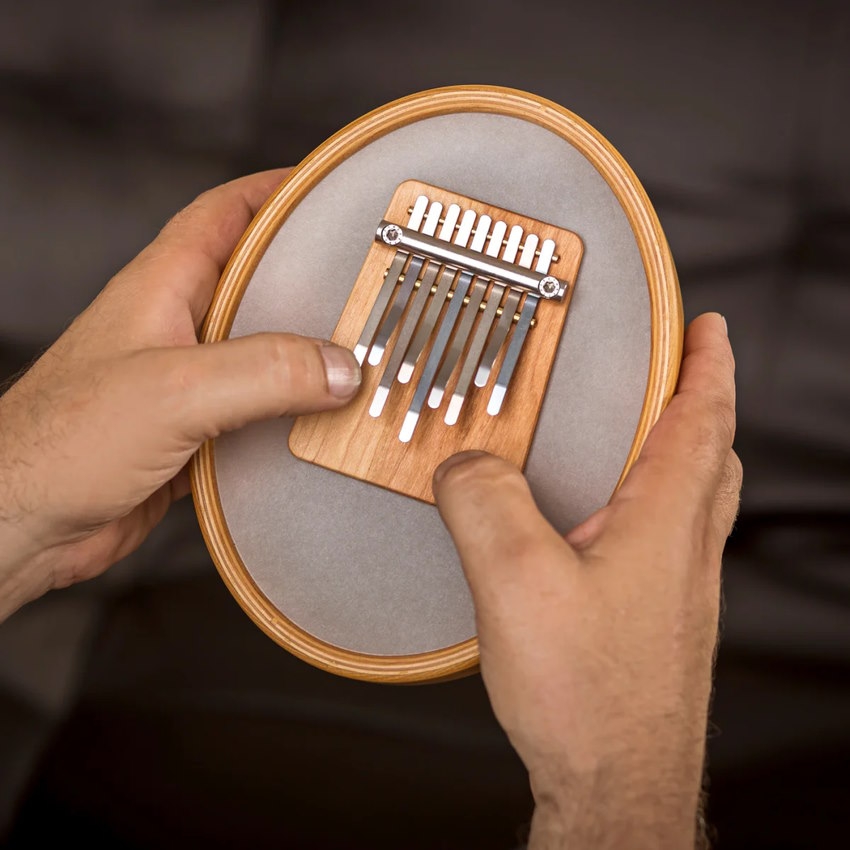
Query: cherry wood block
[353,442]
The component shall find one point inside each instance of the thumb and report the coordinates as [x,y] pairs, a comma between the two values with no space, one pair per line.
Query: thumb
[225,385]
[501,536]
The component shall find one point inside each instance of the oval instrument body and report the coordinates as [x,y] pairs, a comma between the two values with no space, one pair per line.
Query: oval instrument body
[342,558]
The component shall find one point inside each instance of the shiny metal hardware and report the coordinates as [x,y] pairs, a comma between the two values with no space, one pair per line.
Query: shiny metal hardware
[485,283]
[462,258]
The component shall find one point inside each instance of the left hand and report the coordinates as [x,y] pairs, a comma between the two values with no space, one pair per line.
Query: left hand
[95,438]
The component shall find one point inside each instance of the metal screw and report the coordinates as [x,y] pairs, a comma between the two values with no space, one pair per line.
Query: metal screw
[391,234]
[549,287]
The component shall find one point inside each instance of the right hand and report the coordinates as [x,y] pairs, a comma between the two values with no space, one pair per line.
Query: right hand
[597,648]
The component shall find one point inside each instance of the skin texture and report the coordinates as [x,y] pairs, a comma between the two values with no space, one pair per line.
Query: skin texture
[95,438]
[596,649]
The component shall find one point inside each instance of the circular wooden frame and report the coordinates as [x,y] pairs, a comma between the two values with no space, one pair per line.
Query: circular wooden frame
[665,350]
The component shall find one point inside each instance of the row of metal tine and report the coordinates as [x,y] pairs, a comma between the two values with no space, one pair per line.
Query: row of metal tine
[422,279]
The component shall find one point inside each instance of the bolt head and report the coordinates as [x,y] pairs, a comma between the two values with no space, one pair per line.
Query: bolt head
[391,234]
[549,287]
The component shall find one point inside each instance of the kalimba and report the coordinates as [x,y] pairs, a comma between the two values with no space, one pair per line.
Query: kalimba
[438,317]
[502,278]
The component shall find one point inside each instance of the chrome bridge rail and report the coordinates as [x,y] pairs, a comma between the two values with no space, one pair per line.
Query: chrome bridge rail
[492,268]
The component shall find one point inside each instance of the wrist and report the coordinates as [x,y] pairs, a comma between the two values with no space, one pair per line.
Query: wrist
[22,579]
[613,805]
[25,571]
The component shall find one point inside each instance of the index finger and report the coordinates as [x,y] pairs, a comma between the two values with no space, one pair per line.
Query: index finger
[191,251]
[682,463]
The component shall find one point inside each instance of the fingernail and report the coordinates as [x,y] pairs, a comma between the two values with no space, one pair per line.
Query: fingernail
[454,460]
[725,326]
[341,370]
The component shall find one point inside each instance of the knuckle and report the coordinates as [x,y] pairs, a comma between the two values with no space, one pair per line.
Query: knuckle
[731,480]
[725,419]
[735,470]
[277,359]
[717,422]
[295,364]
[201,201]
[728,496]
[706,444]
[277,348]
[186,217]
[719,392]
[178,220]
[176,376]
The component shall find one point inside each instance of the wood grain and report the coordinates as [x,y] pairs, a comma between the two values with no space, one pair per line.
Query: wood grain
[665,351]
[352,442]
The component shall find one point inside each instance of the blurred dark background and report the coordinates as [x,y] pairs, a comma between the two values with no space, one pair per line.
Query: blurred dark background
[144,710]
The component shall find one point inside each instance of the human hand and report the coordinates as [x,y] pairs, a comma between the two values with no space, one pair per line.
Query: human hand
[597,648]
[95,438]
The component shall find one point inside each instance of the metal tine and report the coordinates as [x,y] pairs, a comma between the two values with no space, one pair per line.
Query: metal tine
[410,322]
[461,335]
[500,332]
[403,296]
[547,251]
[443,333]
[494,246]
[447,277]
[389,284]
